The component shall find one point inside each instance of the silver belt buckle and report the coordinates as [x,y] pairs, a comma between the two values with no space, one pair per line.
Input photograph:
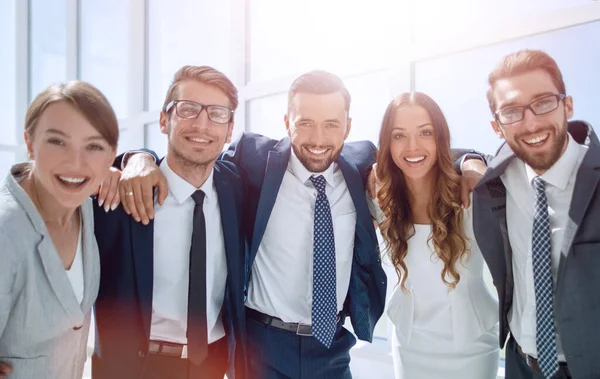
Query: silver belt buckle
[303,334]
[184,354]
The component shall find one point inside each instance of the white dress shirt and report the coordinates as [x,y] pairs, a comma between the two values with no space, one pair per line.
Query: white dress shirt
[520,203]
[281,284]
[173,224]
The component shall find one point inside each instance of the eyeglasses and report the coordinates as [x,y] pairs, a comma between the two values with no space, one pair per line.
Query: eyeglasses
[540,106]
[190,110]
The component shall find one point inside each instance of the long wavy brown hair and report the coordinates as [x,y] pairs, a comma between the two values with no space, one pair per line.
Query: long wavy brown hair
[445,212]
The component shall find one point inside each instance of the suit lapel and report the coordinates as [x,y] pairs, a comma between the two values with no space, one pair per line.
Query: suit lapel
[142,238]
[91,261]
[357,193]
[277,162]
[55,272]
[586,183]
[229,222]
[51,263]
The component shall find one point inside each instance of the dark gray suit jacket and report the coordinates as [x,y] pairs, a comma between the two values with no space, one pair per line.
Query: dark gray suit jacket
[577,287]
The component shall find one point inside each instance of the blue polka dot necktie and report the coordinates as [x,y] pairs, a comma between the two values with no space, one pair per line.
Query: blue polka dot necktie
[543,284]
[324,304]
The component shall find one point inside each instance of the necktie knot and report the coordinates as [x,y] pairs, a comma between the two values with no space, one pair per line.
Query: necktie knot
[198,197]
[319,182]
[539,185]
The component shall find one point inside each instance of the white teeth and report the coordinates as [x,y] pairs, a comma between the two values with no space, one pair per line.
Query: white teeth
[202,140]
[536,139]
[318,152]
[415,159]
[72,180]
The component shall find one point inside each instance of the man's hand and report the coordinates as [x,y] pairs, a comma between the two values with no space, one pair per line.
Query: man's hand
[108,193]
[5,370]
[472,171]
[372,182]
[136,187]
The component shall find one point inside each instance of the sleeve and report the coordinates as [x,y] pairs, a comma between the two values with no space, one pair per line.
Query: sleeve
[8,275]
[234,151]
[374,209]
[121,160]
[460,155]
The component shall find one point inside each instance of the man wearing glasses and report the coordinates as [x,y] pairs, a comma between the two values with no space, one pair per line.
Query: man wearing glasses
[536,214]
[171,298]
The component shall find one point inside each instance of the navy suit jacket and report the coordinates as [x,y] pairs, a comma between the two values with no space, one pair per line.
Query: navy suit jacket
[124,305]
[264,162]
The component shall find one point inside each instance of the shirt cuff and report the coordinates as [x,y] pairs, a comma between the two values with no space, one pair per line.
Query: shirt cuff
[128,154]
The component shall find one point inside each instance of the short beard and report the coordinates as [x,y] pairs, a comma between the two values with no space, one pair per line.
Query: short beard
[543,162]
[315,166]
[187,163]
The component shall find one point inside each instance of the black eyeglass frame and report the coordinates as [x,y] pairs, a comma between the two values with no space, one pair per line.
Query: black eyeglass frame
[524,108]
[173,104]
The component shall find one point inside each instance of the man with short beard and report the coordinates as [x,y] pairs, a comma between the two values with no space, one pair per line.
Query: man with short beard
[171,301]
[536,214]
[314,256]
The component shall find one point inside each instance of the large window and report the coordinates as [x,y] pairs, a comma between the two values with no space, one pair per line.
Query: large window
[48,43]
[440,22]
[182,32]
[289,37]
[104,51]
[266,115]
[7,73]
[458,82]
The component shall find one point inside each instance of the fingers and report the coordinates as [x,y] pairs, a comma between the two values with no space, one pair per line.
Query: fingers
[103,191]
[465,192]
[372,184]
[5,369]
[163,189]
[138,207]
[112,190]
[148,201]
[125,194]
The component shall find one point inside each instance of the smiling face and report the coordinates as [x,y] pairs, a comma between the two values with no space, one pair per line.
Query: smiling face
[318,125]
[71,157]
[538,140]
[412,146]
[199,141]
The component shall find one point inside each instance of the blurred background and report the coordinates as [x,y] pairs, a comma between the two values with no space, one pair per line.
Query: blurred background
[130,49]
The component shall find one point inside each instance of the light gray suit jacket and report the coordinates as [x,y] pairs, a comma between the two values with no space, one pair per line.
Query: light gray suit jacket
[43,329]
[577,287]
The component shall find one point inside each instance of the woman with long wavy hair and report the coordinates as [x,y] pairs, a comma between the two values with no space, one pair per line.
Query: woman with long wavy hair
[445,319]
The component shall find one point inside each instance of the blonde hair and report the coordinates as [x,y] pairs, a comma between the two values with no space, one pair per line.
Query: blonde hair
[206,75]
[84,97]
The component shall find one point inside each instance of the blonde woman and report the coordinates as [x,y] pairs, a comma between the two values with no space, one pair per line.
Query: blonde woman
[50,270]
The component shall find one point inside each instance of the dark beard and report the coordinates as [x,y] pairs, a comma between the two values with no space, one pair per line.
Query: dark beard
[543,162]
[315,166]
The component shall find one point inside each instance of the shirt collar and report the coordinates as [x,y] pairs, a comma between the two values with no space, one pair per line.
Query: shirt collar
[300,172]
[558,175]
[180,188]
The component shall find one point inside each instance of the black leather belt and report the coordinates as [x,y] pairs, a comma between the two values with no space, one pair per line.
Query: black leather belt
[533,363]
[298,328]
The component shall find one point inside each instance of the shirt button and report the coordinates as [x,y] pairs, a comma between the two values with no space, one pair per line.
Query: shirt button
[141,354]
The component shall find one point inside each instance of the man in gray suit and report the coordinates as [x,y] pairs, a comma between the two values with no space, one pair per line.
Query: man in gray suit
[536,213]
